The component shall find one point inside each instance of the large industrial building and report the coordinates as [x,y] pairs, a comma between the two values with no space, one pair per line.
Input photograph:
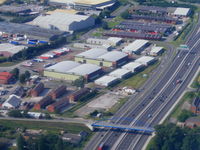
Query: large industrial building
[120,73]
[102,57]
[145,60]
[84,4]
[70,70]
[133,67]
[106,81]
[113,41]
[64,21]
[136,47]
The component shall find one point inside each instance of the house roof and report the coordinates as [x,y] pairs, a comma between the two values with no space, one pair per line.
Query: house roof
[182,11]
[13,100]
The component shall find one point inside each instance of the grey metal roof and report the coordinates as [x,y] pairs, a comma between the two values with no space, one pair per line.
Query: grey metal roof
[93,53]
[63,66]
[13,100]
[132,66]
[182,11]
[135,46]
[119,73]
[113,56]
[144,59]
[84,69]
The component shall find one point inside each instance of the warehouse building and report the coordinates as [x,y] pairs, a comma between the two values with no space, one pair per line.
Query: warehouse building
[69,70]
[85,4]
[155,51]
[145,60]
[106,81]
[133,67]
[8,50]
[112,41]
[136,47]
[120,73]
[102,57]
[181,12]
[91,46]
[64,21]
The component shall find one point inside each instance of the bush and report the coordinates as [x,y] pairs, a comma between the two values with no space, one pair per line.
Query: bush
[185,114]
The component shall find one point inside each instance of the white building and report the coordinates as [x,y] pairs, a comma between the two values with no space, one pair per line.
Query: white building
[145,60]
[133,66]
[155,51]
[106,81]
[182,12]
[64,21]
[120,73]
[112,41]
[12,102]
[136,47]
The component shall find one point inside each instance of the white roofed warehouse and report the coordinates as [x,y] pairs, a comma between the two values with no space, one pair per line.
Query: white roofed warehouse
[145,60]
[133,66]
[106,81]
[182,12]
[120,73]
[102,57]
[155,51]
[70,70]
[112,41]
[64,21]
[136,47]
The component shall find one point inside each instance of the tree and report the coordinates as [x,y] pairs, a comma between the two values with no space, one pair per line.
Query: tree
[22,78]
[15,73]
[21,143]
[27,74]
[59,145]
[185,114]
[105,25]
[15,113]
[125,14]
[79,82]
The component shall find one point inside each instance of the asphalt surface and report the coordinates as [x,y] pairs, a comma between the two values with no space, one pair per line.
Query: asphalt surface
[154,104]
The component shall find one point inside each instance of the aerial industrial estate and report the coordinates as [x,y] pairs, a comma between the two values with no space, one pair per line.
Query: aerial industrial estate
[99,75]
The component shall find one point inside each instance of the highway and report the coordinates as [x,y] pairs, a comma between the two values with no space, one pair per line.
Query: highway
[155,103]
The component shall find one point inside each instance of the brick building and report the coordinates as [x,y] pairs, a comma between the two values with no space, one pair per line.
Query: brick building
[37,90]
[5,77]
[78,94]
[57,92]
[43,103]
[192,122]
[59,105]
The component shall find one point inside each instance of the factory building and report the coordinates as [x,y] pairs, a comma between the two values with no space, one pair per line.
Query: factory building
[102,57]
[112,41]
[69,70]
[64,21]
[145,60]
[8,50]
[106,81]
[136,47]
[133,66]
[120,73]
[91,46]
[84,4]
[155,51]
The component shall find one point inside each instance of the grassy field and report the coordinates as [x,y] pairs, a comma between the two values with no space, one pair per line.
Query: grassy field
[50,127]
[8,64]
[196,81]
[137,80]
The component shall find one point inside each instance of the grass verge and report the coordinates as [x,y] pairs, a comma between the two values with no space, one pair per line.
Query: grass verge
[137,80]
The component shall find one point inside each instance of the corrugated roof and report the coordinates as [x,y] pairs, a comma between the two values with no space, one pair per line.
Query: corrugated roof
[11,48]
[86,2]
[132,66]
[144,59]
[182,11]
[105,80]
[114,39]
[93,53]
[119,73]
[13,100]
[84,69]
[156,49]
[113,56]
[134,46]
[63,66]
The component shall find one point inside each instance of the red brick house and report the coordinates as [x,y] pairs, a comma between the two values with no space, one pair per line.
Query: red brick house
[5,77]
